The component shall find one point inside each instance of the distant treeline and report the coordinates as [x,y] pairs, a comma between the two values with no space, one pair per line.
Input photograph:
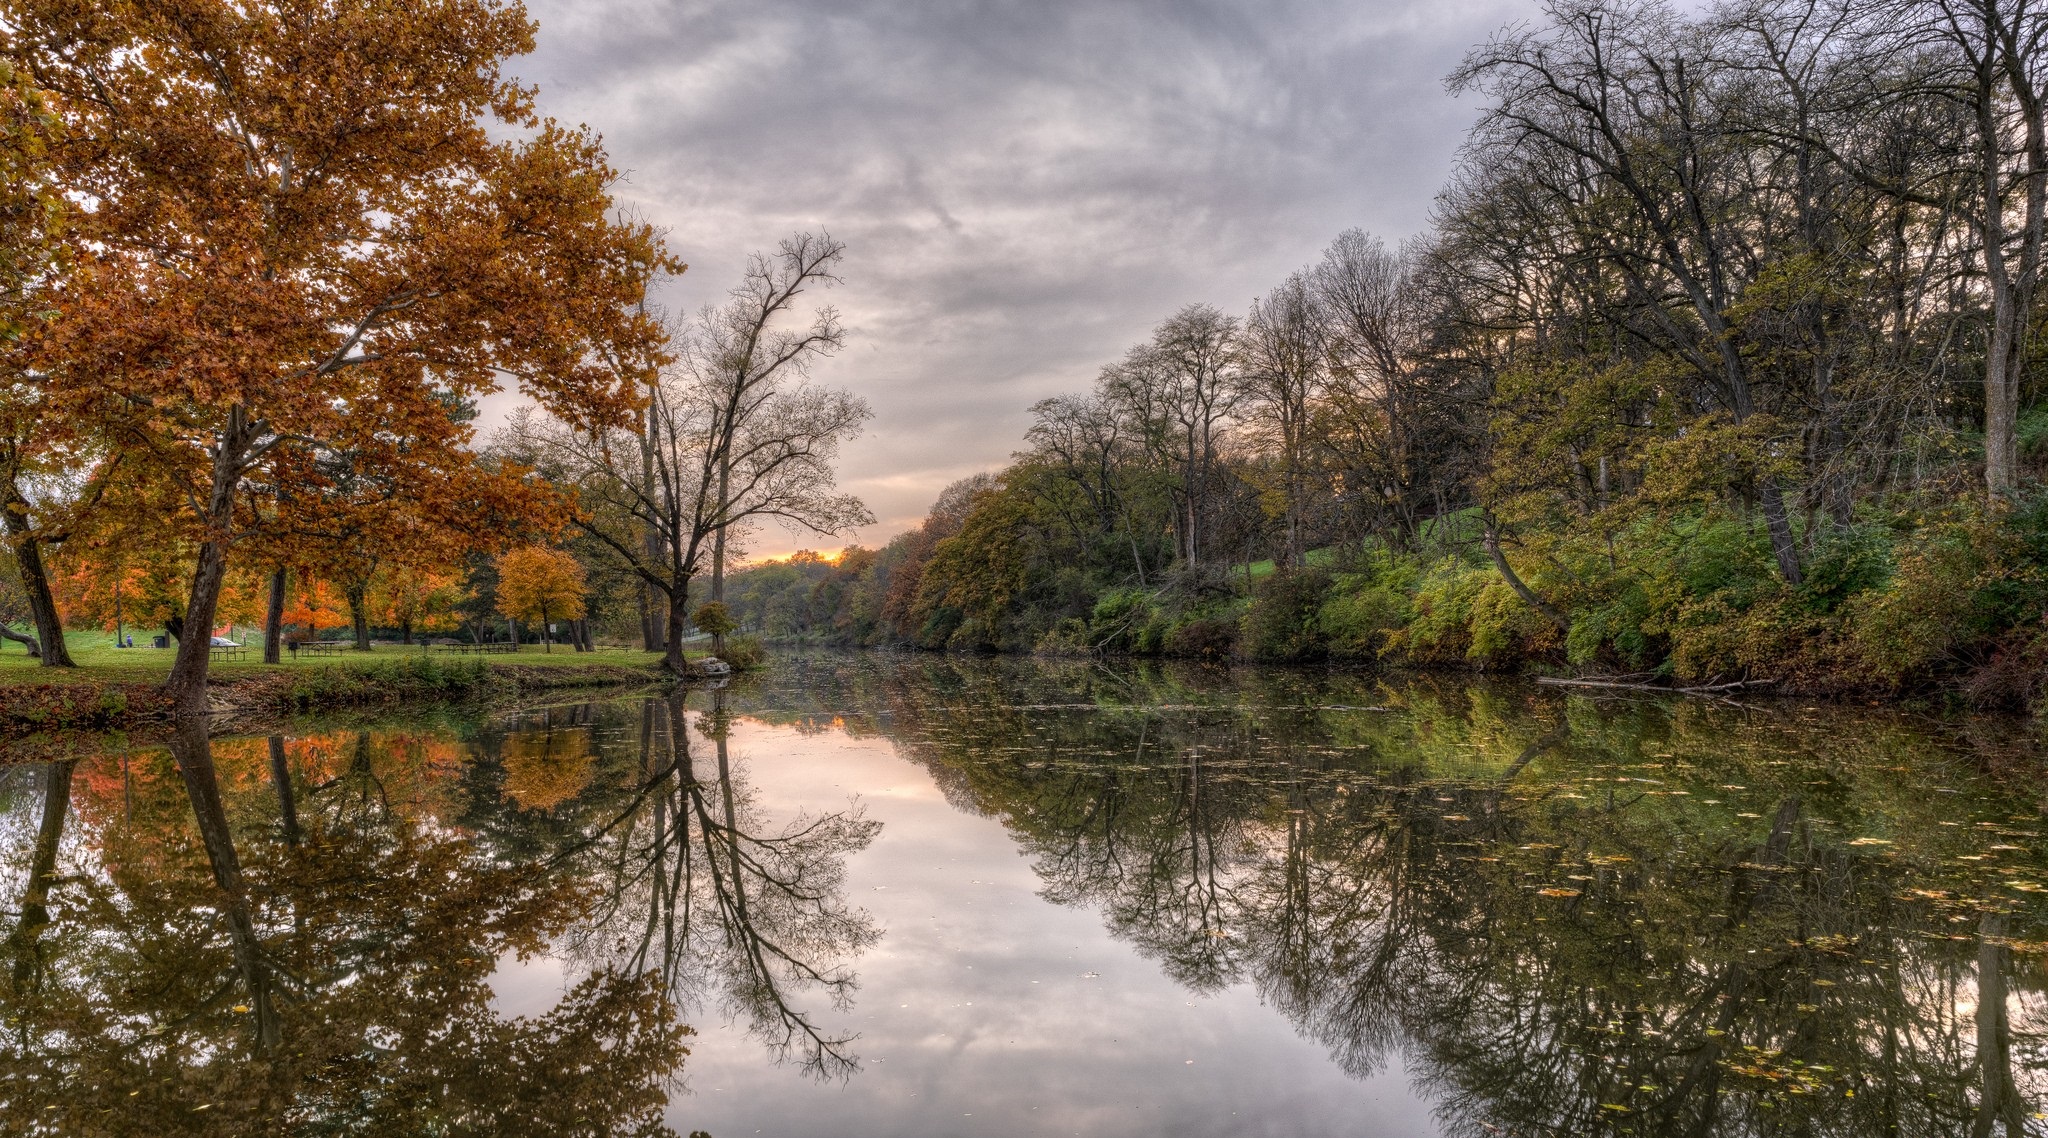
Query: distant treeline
[1716,361]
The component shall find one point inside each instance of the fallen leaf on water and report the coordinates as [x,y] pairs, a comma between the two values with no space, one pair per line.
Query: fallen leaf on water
[1556,892]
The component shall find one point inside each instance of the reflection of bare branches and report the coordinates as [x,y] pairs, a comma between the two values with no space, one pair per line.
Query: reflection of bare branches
[728,911]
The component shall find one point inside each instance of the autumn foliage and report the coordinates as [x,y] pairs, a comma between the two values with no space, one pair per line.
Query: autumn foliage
[540,585]
[317,234]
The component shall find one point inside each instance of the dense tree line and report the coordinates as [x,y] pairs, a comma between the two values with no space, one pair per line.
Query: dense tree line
[1716,360]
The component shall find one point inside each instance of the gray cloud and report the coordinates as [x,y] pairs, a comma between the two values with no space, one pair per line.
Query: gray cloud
[1025,188]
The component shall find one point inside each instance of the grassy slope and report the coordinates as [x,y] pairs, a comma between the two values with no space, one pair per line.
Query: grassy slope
[1316,558]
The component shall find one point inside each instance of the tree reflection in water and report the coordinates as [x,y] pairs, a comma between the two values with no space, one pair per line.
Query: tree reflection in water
[1561,916]
[298,934]
[1569,916]
[733,914]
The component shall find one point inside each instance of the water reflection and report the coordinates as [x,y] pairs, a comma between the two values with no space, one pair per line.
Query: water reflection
[734,913]
[1556,915]
[299,933]
[1570,916]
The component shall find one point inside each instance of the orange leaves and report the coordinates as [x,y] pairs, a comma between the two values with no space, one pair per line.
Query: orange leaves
[545,769]
[539,584]
[309,256]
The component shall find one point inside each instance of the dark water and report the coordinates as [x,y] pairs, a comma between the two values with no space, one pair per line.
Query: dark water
[934,897]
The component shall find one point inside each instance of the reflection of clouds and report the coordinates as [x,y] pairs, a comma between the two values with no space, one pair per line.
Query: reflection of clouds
[1104,1055]
[1025,188]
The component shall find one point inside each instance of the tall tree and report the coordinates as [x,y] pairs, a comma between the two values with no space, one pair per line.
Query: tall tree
[1614,111]
[1181,388]
[35,440]
[320,225]
[738,438]
[1285,367]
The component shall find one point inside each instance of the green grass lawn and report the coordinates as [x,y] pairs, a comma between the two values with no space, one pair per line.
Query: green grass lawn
[1317,558]
[99,661]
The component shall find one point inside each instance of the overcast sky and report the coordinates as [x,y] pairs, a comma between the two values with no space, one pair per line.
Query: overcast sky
[1025,188]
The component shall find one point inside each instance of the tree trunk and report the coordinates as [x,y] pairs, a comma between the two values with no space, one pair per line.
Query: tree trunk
[281,781]
[2003,361]
[1507,572]
[42,870]
[547,631]
[405,632]
[512,627]
[672,654]
[28,642]
[35,581]
[186,684]
[1998,1094]
[1784,547]
[359,614]
[718,553]
[273,618]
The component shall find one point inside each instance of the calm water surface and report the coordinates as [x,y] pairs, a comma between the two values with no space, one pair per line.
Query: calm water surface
[923,896]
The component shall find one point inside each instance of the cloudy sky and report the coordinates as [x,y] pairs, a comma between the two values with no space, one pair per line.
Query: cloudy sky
[1025,188]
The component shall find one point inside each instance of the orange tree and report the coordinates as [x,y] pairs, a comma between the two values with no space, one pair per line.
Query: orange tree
[418,599]
[34,434]
[538,585]
[318,228]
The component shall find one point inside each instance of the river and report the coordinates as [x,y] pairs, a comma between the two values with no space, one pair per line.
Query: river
[925,896]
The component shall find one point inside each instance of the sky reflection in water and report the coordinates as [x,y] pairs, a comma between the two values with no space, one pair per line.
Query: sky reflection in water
[927,896]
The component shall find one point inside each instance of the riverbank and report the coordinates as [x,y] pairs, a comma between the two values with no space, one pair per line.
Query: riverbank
[121,689]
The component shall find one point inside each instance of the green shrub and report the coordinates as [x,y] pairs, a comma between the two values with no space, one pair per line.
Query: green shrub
[1204,638]
[1281,621]
[1359,621]
[1068,637]
[1441,631]
[1617,626]
[1847,562]
[714,618]
[744,652]
[1505,628]
[1119,619]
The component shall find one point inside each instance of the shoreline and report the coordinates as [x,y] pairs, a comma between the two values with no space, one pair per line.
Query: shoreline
[88,700]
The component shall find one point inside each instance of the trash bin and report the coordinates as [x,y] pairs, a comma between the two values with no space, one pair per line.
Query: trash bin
[159,642]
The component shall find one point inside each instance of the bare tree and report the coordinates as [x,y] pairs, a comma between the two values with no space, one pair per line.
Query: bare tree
[731,437]
[1286,353]
[2000,51]
[1180,389]
[1616,110]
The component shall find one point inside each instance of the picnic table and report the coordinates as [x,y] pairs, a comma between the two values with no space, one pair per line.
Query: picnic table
[228,651]
[317,648]
[489,646]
